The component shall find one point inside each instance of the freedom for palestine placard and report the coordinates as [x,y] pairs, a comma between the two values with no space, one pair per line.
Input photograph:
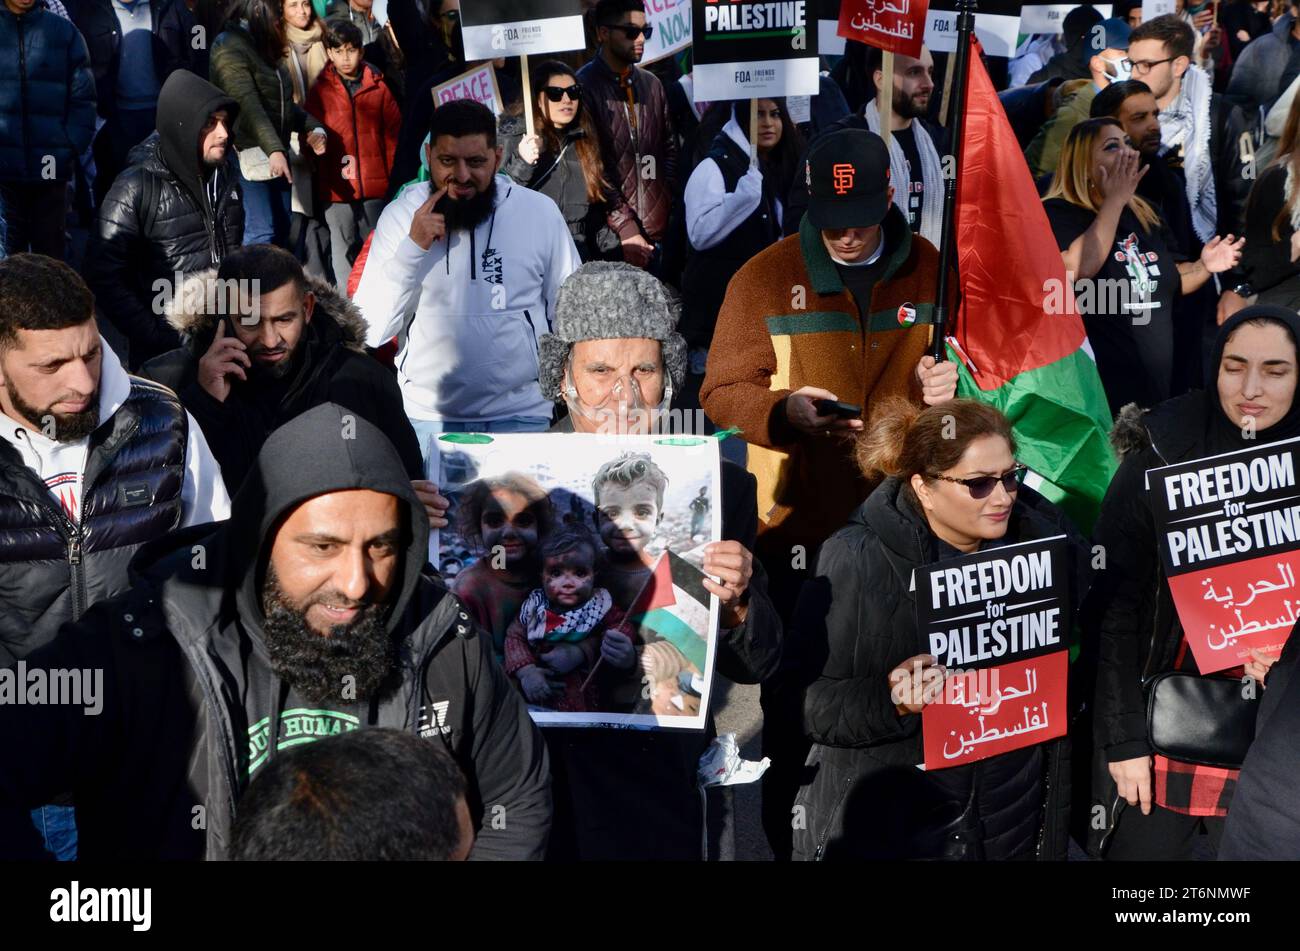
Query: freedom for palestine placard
[753,49]
[1229,530]
[998,620]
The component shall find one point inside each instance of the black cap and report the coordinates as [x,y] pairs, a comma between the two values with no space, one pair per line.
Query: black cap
[848,180]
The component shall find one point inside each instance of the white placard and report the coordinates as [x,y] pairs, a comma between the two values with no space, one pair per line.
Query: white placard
[671,20]
[997,34]
[1050,17]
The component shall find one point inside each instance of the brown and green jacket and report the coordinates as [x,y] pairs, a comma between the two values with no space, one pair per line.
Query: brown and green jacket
[787,322]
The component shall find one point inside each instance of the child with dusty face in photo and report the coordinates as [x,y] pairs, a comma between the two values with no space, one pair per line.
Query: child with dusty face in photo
[553,644]
[505,518]
[629,495]
[670,680]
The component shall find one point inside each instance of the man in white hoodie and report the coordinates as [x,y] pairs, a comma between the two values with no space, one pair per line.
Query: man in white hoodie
[94,463]
[465,271]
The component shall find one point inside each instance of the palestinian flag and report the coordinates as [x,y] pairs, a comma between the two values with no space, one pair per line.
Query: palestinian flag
[1035,366]
[673,606]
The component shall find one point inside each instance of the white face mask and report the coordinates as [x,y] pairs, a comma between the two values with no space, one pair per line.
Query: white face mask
[1117,70]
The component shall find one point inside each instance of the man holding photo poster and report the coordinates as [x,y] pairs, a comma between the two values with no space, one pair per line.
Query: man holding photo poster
[1156,807]
[615,359]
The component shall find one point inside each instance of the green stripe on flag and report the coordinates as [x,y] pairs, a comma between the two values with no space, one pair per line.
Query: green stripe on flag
[1061,422]
[678,633]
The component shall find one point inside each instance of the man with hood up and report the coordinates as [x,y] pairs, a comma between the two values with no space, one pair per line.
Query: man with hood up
[307,610]
[176,209]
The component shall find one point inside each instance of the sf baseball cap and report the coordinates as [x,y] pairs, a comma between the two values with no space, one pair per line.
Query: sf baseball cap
[848,180]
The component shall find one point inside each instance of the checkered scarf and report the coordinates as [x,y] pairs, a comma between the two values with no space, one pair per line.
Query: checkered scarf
[533,615]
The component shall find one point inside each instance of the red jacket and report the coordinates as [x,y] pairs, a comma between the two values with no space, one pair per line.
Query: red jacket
[363,127]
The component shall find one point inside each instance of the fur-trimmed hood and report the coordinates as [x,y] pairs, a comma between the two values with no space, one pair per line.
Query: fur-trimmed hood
[193,312]
[1129,434]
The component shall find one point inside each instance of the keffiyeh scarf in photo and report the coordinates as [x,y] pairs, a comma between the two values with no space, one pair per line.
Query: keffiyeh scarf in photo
[1186,124]
[581,620]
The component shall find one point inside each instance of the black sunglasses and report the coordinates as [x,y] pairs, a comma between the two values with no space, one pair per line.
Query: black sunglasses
[631,32]
[981,487]
[556,93]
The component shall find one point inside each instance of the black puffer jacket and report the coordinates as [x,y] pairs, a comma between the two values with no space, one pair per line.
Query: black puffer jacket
[559,177]
[52,570]
[331,367]
[856,621]
[188,690]
[158,218]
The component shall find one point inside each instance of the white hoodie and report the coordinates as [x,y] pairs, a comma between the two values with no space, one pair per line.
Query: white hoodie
[473,307]
[61,465]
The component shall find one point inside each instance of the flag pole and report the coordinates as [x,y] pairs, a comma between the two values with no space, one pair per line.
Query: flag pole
[527,82]
[955,122]
[885,98]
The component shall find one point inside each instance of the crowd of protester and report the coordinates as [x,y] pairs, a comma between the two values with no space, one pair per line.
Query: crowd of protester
[177,510]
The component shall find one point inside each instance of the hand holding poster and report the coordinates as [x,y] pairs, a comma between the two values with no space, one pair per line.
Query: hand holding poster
[753,49]
[998,620]
[894,25]
[495,28]
[478,84]
[1229,529]
[580,555]
[670,21]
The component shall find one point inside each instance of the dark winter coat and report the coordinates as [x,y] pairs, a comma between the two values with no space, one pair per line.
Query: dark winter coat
[560,178]
[1257,74]
[606,97]
[267,112]
[158,218]
[47,96]
[332,367]
[102,32]
[187,683]
[856,621]
[52,570]
[361,127]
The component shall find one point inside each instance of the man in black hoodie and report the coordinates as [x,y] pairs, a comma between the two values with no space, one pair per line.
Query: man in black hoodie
[175,210]
[262,344]
[309,610]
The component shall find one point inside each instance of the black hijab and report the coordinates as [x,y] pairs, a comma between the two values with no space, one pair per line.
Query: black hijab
[1224,434]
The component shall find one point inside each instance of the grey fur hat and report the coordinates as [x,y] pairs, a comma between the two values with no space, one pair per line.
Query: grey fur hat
[607,300]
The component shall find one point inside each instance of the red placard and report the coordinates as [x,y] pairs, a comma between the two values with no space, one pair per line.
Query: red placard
[982,713]
[1230,609]
[894,25]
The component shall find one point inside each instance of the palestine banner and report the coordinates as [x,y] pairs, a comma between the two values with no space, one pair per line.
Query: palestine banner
[1229,529]
[999,621]
[894,25]
[671,20]
[1015,348]
[495,28]
[997,25]
[1050,17]
[752,49]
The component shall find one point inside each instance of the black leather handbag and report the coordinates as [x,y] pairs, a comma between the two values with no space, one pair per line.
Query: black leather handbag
[1202,720]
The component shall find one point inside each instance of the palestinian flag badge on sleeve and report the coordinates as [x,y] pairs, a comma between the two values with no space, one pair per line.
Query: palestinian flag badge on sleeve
[906,315]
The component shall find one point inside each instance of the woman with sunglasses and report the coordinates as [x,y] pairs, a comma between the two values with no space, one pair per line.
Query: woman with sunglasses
[563,161]
[1156,808]
[1126,277]
[952,488]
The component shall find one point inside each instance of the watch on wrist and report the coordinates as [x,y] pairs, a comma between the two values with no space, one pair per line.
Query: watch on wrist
[1244,290]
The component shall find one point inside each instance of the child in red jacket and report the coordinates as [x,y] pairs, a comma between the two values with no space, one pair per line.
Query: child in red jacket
[362,120]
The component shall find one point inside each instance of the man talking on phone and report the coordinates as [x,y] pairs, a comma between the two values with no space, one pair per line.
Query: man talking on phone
[838,312]
[264,343]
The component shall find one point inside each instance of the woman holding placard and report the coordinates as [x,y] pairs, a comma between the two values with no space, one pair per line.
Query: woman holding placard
[952,488]
[1156,807]
[562,160]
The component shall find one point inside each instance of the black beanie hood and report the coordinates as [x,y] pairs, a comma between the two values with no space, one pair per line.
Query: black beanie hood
[184,105]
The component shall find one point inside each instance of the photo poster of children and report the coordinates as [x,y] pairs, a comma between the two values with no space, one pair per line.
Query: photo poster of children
[580,554]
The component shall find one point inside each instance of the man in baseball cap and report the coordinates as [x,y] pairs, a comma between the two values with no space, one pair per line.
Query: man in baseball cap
[818,327]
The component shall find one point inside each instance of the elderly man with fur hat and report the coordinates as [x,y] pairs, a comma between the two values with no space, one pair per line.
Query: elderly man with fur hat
[615,359]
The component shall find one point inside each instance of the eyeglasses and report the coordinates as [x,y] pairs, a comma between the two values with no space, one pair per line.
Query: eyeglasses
[556,93]
[631,32]
[981,487]
[1143,66]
